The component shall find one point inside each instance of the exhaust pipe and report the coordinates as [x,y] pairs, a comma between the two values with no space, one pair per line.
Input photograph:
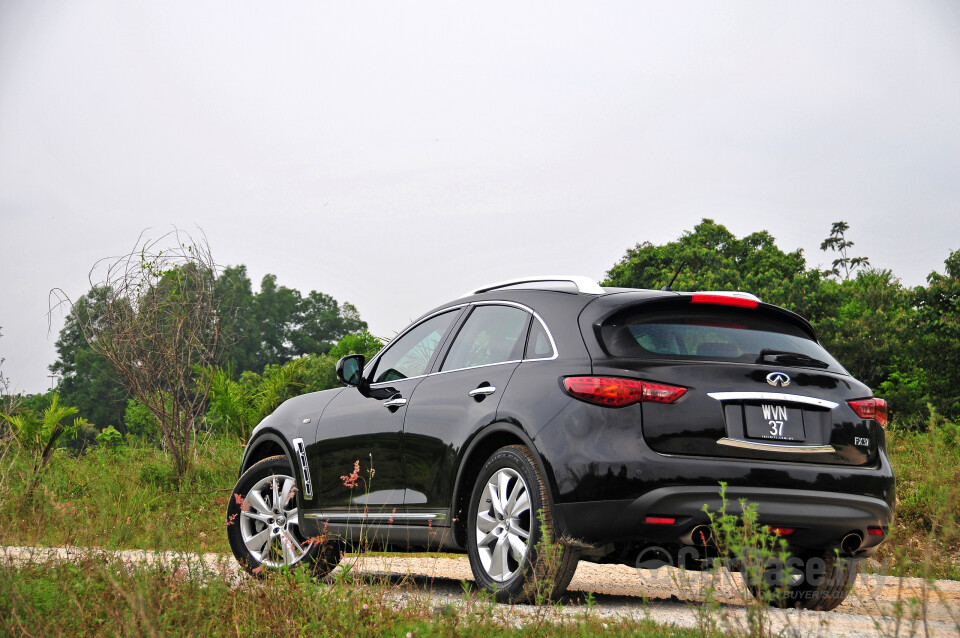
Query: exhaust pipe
[701,535]
[851,542]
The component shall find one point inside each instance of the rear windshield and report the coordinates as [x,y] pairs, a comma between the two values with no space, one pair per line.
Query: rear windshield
[721,334]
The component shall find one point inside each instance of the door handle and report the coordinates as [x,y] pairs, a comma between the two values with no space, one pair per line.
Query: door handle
[482,391]
[394,402]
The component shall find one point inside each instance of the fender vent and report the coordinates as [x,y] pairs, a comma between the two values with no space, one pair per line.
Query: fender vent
[301,453]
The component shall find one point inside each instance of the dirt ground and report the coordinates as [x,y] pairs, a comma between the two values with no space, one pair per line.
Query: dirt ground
[878,606]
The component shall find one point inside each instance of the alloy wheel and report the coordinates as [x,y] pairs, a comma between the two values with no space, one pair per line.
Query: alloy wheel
[270,522]
[504,524]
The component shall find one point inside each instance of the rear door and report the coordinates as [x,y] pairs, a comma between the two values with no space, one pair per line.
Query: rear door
[457,400]
[758,384]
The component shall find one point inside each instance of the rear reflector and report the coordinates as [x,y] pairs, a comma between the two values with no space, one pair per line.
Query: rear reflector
[659,520]
[875,531]
[724,300]
[617,392]
[782,531]
[872,408]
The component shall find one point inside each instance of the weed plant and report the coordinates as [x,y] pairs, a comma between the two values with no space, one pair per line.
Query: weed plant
[96,598]
[126,497]
[925,539]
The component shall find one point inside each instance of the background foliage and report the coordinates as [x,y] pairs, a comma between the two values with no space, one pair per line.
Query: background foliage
[902,342]
[278,342]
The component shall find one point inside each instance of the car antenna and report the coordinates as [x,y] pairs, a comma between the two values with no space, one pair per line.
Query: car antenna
[669,286]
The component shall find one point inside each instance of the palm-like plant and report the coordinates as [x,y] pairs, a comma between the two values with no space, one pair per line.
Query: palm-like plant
[240,405]
[38,434]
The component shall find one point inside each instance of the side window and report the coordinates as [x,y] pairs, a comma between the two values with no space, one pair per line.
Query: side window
[538,343]
[492,334]
[410,355]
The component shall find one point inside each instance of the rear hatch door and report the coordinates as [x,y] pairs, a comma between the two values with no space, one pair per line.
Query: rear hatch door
[759,386]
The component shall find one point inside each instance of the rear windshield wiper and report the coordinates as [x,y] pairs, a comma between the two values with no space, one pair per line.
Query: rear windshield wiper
[791,358]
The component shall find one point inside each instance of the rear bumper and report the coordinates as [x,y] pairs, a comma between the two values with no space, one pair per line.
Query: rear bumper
[820,519]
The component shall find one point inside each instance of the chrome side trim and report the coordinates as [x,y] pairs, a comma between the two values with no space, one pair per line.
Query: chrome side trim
[777,447]
[536,315]
[553,344]
[377,356]
[301,453]
[485,365]
[374,517]
[583,284]
[772,396]
[546,328]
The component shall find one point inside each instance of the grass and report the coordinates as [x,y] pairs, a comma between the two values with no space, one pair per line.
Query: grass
[110,599]
[128,499]
[925,539]
[123,499]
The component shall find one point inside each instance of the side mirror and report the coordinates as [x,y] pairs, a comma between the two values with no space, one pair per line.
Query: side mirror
[350,369]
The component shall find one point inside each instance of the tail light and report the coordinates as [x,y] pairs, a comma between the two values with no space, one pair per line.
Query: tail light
[616,392]
[782,531]
[872,408]
[659,520]
[724,300]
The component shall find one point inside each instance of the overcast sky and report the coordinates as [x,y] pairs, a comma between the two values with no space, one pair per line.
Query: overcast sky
[395,155]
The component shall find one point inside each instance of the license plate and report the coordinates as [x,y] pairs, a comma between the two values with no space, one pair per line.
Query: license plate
[774,422]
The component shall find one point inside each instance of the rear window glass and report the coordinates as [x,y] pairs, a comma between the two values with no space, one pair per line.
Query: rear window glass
[715,335]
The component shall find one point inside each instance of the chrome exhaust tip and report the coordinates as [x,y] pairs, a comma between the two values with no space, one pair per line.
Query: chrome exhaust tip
[851,542]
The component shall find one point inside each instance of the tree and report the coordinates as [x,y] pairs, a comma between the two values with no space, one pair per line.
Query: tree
[87,380]
[938,336]
[870,327]
[714,259]
[159,326]
[241,332]
[278,324]
[322,322]
[837,242]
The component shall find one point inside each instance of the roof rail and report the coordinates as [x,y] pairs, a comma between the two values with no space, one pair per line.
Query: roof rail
[582,284]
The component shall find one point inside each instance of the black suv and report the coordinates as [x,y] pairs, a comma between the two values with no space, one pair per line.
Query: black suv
[607,417]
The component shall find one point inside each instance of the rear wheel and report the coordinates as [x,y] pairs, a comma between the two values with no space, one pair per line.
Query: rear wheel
[263,523]
[820,581]
[511,542]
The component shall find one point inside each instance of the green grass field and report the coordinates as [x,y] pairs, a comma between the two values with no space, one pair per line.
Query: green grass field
[128,499]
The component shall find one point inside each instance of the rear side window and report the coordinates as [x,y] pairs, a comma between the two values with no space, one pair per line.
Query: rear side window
[720,334]
[492,334]
[538,342]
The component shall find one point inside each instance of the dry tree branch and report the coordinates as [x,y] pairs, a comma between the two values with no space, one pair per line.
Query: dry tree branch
[156,320]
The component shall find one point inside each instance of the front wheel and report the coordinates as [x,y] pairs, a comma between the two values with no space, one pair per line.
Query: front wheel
[263,522]
[511,541]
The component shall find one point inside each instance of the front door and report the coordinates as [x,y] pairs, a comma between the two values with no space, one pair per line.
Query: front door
[359,462]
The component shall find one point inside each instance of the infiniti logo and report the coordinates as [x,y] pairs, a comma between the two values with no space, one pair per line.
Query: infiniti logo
[781,379]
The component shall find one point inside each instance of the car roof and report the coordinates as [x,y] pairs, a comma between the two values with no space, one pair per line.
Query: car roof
[579,284]
[583,291]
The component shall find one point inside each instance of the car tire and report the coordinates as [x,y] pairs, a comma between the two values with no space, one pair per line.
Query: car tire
[263,524]
[821,584]
[513,555]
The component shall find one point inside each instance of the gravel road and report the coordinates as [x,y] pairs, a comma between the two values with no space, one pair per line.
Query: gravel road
[666,595]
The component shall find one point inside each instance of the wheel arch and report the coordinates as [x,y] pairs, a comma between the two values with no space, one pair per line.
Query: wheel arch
[266,444]
[481,448]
